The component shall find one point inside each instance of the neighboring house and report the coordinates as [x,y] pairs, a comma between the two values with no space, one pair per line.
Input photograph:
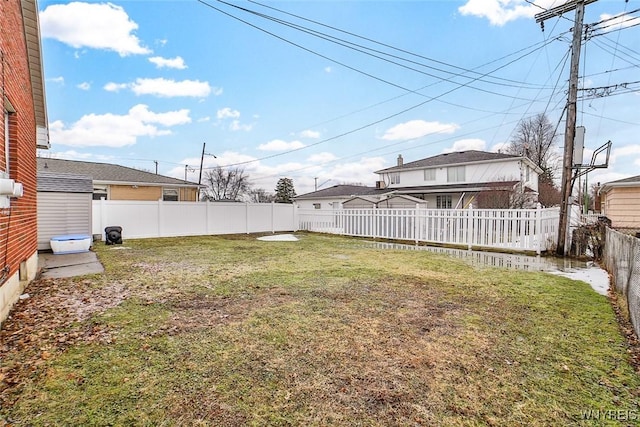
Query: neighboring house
[23,129]
[333,197]
[445,181]
[114,182]
[620,202]
[454,180]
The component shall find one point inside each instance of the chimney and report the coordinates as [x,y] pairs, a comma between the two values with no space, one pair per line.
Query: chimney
[400,160]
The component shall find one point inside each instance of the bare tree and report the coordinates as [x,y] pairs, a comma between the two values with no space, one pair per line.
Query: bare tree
[260,195]
[548,194]
[225,184]
[535,138]
[503,194]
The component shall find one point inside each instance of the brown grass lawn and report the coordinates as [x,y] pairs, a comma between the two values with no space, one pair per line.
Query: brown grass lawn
[229,330]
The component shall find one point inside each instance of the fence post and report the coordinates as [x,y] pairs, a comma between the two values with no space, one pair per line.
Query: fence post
[273,218]
[415,223]
[296,217]
[538,233]
[469,226]
[160,217]
[103,216]
[246,217]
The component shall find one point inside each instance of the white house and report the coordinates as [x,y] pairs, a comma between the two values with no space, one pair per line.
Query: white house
[445,181]
[455,180]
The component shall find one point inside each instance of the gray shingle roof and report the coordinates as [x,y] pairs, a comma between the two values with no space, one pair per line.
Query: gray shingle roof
[106,172]
[64,183]
[626,180]
[341,191]
[459,157]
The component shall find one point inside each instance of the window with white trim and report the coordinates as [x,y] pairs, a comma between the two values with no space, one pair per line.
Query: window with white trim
[429,174]
[395,178]
[443,202]
[455,174]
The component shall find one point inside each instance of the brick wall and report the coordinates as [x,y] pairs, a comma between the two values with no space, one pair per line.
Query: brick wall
[18,224]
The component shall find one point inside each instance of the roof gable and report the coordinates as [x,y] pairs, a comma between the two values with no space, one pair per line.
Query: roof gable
[108,173]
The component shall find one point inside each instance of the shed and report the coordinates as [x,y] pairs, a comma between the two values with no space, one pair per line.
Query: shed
[401,201]
[64,206]
[360,202]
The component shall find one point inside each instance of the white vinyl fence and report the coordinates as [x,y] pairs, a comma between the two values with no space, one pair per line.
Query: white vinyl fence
[140,219]
[506,229]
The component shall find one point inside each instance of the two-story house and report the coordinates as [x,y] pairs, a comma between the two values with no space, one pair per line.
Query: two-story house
[458,179]
[451,180]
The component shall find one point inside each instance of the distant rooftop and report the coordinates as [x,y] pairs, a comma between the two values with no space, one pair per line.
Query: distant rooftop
[341,191]
[459,157]
[106,172]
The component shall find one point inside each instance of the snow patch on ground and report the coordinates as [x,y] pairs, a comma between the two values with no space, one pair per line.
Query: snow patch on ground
[279,238]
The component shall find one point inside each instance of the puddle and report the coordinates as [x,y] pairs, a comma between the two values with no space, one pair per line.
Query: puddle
[578,270]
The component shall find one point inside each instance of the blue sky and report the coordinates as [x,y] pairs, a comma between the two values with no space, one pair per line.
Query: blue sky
[327,92]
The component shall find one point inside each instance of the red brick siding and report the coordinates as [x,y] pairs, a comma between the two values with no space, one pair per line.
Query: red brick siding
[18,225]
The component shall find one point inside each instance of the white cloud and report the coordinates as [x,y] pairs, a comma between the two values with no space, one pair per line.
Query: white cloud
[115,87]
[466,144]
[616,22]
[227,113]
[58,80]
[236,126]
[328,69]
[416,129]
[94,25]
[310,134]
[160,62]
[204,119]
[112,130]
[624,151]
[163,88]
[321,157]
[84,86]
[169,88]
[500,147]
[499,12]
[280,145]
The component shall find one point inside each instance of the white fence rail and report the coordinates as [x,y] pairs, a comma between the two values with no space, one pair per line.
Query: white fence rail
[517,229]
[170,219]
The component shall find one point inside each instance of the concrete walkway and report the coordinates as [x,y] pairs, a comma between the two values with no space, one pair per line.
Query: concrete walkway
[68,265]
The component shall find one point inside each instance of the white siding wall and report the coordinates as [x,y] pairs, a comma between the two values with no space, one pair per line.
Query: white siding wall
[324,203]
[62,213]
[484,172]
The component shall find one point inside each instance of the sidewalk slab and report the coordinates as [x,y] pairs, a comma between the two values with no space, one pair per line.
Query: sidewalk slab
[68,265]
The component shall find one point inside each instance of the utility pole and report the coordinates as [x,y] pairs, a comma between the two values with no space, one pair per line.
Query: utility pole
[570,130]
[204,144]
[156,162]
[316,186]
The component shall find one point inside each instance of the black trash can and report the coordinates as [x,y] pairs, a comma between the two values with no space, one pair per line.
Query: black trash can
[113,235]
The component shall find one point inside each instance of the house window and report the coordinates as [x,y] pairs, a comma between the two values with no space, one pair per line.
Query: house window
[395,178]
[316,206]
[443,202]
[170,194]
[455,174]
[429,174]
[100,192]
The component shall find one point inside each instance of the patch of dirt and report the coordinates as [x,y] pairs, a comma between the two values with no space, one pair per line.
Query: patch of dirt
[46,323]
[197,312]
